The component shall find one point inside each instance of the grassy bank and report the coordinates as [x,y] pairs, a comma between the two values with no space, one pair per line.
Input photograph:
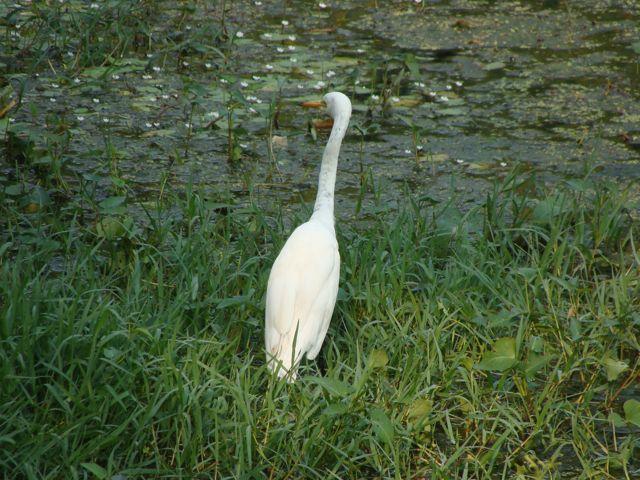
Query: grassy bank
[501,343]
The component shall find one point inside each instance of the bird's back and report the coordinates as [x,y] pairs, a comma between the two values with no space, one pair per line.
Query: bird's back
[301,295]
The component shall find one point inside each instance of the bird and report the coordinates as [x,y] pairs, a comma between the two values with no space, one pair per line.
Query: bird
[303,282]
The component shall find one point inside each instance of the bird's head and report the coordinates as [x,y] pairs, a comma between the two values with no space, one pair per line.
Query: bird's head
[336,103]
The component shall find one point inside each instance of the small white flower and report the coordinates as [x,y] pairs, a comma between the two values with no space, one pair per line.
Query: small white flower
[80,118]
[419,148]
[185,64]
[293,60]
[319,85]
[359,50]
[268,67]
[267,35]
[244,84]
[188,27]
[222,80]
[95,6]
[258,101]
[256,78]
[253,110]
[291,48]
[239,34]
[115,77]
[146,76]
[55,85]
[407,151]
[243,146]
[251,98]
[96,100]
[292,38]
[357,82]
[207,65]
[156,68]
[105,120]
[459,161]
[395,99]
[433,94]
[309,72]
[187,125]
[448,87]
[300,86]
[322,5]
[285,23]
[69,54]
[12,120]
[444,99]
[156,124]
[280,49]
[213,114]
[165,96]
[503,164]
[257,4]
[417,1]
[458,83]
[148,125]
[375,98]
[149,55]
[331,73]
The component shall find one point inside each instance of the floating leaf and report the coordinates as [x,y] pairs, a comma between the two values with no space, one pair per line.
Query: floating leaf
[502,357]
[613,367]
[632,412]
[494,66]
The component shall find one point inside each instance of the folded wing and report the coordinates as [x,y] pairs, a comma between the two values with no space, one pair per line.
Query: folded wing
[301,295]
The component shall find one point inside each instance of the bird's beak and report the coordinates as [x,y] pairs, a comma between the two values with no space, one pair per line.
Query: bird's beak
[320,104]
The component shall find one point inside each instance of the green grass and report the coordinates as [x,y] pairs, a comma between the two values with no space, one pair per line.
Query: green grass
[141,353]
[500,342]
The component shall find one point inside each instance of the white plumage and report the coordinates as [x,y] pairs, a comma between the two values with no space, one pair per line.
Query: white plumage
[303,283]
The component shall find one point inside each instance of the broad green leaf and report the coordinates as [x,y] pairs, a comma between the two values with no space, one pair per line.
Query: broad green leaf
[616,420]
[334,386]
[110,228]
[382,426]
[110,204]
[632,412]
[535,363]
[502,357]
[97,470]
[378,359]
[419,408]
[336,409]
[613,367]
[233,301]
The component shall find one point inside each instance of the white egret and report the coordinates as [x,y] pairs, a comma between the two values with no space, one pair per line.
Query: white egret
[303,284]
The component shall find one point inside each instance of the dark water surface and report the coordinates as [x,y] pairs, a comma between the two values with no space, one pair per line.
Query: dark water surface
[447,96]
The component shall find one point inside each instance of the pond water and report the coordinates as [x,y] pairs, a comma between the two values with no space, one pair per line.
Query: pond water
[448,95]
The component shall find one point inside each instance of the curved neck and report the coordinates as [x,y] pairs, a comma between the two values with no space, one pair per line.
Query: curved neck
[327,181]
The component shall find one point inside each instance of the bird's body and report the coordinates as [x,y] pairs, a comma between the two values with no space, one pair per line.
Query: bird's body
[303,283]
